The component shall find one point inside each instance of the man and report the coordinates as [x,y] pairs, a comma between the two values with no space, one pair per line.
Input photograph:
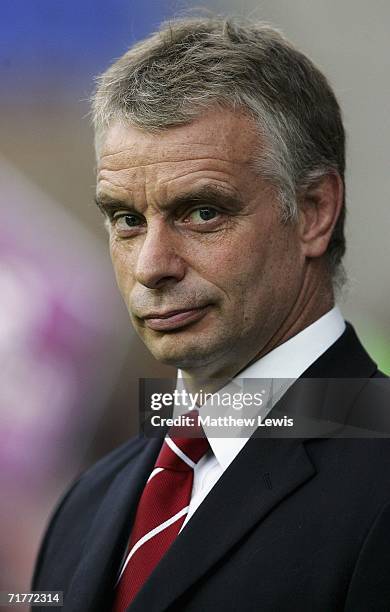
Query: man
[221,177]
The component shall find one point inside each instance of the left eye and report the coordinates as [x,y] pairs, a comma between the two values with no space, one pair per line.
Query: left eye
[202,214]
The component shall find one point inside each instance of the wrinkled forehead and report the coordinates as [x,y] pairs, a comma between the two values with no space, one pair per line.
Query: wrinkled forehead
[221,134]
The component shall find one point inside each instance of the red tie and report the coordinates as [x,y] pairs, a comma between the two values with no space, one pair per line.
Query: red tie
[161,512]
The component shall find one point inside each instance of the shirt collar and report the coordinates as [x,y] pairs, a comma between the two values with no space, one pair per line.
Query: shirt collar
[289,361]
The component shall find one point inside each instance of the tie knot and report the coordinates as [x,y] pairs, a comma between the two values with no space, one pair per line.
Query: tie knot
[181,453]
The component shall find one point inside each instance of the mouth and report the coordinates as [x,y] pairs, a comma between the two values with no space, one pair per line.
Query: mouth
[174,319]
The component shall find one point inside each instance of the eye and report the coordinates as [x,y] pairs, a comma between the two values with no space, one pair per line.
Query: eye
[202,214]
[125,222]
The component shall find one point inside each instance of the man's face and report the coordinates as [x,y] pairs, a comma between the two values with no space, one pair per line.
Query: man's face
[208,271]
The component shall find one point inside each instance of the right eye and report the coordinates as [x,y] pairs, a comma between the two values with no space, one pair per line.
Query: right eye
[125,221]
[126,224]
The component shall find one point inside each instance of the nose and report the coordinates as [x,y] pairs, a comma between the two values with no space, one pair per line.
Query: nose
[158,262]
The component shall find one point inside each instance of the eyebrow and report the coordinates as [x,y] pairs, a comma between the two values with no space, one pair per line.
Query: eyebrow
[207,194]
[105,202]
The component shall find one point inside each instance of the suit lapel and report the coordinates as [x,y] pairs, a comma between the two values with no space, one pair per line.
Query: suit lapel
[260,477]
[95,575]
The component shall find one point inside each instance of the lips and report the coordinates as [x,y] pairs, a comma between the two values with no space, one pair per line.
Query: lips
[174,319]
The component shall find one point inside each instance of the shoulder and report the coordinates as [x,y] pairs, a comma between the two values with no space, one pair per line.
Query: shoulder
[78,505]
[99,475]
[370,412]
[93,482]
[355,469]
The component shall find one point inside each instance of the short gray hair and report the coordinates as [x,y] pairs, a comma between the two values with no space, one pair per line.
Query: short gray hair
[190,65]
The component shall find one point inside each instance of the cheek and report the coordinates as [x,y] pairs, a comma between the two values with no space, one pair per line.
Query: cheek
[220,262]
[266,270]
[242,263]
[122,261]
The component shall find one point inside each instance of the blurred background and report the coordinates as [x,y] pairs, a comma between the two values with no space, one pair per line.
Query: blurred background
[70,362]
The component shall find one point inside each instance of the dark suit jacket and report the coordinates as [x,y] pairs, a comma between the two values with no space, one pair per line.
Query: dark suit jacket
[292,525]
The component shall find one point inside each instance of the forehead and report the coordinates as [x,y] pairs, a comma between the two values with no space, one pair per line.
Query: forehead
[218,135]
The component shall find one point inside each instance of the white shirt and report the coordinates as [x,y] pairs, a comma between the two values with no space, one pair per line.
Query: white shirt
[287,361]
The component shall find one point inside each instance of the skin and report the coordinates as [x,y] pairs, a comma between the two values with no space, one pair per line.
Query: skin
[260,280]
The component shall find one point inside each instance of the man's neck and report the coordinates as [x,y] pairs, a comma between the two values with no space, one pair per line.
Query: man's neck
[301,316]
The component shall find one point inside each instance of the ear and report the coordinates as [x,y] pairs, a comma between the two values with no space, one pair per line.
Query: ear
[319,208]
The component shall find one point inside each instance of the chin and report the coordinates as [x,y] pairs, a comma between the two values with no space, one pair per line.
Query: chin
[181,358]
[188,355]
